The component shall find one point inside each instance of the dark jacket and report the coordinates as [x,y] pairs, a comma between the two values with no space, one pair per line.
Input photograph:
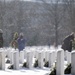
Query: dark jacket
[21,43]
[67,43]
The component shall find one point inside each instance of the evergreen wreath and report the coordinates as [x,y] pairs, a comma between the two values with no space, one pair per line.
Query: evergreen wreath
[25,64]
[36,63]
[68,69]
[46,64]
[11,67]
[8,61]
[53,72]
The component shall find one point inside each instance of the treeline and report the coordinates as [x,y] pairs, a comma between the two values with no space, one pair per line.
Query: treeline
[34,20]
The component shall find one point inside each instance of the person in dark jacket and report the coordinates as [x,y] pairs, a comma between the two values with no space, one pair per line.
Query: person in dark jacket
[67,43]
[1,38]
[21,42]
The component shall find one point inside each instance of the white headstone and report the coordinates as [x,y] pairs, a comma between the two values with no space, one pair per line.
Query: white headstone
[36,54]
[73,63]
[21,56]
[25,54]
[2,60]
[54,56]
[68,57]
[60,63]
[11,57]
[8,53]
[50,59]
[16,60]
[47,56]
[29,60]
[40,60]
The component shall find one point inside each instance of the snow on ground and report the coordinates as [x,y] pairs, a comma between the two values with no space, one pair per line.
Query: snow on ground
[67,74]
[25,71]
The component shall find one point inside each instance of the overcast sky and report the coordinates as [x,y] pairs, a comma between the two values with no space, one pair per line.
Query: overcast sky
[35,0]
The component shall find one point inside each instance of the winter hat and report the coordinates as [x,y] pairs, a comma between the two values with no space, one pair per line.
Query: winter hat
[21,34]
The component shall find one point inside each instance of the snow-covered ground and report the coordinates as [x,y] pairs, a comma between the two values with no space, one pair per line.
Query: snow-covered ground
[26,71]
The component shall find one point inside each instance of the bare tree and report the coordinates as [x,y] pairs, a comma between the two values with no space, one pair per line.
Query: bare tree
[70,4]
[20,15]
[2,13]
[35,18]
[56,12]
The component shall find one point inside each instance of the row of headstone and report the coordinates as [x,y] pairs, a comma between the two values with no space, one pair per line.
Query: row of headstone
[29,55]
[14,59]
[40,55]
[60,60]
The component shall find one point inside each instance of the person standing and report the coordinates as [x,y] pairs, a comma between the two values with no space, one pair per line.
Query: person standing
[1,38]
[21,42]
[67,42]
[14,41]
